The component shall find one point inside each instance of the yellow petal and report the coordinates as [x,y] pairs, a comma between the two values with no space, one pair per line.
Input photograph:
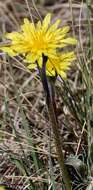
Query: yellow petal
[40,61]
[38,26]
[28,28]
[9,51]
[31,57]
[72,41]
[32,66]
[68,56]
[63,74]
[54,26]
[46,22]
[50,73]
[58,33]
[65,30]
[15,36]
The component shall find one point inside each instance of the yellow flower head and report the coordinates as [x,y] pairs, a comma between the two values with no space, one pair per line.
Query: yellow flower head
[34,40]
[58,65]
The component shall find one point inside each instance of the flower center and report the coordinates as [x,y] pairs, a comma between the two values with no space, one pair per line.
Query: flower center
[39,42]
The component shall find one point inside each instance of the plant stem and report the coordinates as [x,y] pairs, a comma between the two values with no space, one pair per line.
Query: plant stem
[51,105]
[55,127]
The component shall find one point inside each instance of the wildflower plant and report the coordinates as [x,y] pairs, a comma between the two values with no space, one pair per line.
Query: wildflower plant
[33,41]
[41,46]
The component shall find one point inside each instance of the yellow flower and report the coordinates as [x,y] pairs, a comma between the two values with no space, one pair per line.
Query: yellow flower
[33,41]
[58,65]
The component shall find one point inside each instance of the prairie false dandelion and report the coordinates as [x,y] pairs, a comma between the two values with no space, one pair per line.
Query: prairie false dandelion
[34,40]
[40,46]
